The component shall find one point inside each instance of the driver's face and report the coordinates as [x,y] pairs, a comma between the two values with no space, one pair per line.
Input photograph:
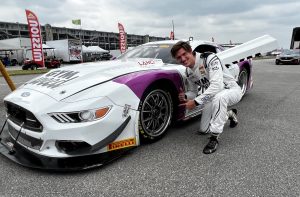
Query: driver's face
[185,58]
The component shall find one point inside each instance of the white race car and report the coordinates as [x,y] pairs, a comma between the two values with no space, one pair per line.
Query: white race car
[83,116]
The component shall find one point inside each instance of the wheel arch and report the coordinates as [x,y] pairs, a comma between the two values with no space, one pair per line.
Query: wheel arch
[141,82]
[138,82]
[169,86]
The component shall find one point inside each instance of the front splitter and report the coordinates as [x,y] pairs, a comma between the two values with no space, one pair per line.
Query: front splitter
[24,157]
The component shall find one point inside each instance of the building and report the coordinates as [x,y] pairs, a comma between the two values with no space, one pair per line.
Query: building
[295,40]
[105,40]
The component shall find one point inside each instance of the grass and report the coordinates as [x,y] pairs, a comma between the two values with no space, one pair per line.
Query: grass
[25,72]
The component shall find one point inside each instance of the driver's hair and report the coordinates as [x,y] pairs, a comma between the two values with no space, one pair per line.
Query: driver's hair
[181,44]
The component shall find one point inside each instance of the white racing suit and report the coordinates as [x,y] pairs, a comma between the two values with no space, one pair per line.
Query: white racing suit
[213,87]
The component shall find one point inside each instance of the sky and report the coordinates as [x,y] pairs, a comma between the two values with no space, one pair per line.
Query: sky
[231,20]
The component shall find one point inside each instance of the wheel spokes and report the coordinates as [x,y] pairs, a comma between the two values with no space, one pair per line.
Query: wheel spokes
[155,113]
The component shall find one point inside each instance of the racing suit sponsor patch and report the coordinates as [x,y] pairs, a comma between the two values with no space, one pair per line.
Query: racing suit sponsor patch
[214,66]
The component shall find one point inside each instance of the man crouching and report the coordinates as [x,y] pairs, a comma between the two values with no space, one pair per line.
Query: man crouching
[213,88]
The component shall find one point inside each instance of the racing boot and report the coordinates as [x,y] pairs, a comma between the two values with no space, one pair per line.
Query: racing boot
[212,144]
[199,132]
[232,116]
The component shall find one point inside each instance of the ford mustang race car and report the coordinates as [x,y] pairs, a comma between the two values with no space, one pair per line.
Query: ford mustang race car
[82,116]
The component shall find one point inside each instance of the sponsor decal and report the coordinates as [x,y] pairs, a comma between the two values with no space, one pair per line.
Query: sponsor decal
[126,110]
[121,144]
[25,94]
[164,46]
[146,63]
[35,38]
[55,78]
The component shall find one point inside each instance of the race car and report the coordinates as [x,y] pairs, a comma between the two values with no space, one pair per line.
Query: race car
[83,116]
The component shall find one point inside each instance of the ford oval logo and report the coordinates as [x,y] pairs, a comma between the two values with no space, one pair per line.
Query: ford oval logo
[25,94]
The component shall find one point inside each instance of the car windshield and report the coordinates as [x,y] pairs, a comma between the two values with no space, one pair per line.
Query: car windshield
[291,52]
[156,51]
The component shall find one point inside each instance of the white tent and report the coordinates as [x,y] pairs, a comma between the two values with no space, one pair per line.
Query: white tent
[47,47]
[85,49]
[96,49]
[5,46]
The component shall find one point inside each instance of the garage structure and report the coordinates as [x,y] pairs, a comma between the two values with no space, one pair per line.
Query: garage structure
[295,41]
[105,40]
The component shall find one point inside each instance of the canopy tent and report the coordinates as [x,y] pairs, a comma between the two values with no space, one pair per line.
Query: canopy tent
[84,49]
[93,49]
[47,47]
[8,47]
[97,49]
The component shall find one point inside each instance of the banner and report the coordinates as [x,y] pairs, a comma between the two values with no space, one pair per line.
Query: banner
[122,38]
[35,38]
[76,22]
[172,35]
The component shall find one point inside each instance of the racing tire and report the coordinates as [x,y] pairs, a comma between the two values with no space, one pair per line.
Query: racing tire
[33,67]
[243,80]
[156,109]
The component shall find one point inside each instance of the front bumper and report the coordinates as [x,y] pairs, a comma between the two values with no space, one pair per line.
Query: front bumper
[26,158]
[288,61]
[90,159]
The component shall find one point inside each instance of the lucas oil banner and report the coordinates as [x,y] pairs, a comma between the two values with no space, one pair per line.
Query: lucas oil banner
[36,38]
[122,38]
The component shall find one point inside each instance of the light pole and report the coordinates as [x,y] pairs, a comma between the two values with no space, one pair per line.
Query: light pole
[19,32]
[173,29]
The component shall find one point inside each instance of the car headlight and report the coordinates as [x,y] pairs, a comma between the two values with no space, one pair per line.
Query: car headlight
[80,116]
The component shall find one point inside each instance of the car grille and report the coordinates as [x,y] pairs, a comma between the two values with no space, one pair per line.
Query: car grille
[286,58]
[25,139]
[20,115]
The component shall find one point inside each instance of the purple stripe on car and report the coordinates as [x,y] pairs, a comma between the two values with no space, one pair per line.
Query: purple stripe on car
[139,81]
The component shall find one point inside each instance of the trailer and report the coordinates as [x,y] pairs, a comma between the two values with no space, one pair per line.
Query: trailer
[15,49]
[68,50]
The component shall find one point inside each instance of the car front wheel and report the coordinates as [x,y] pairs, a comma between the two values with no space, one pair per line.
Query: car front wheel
[156,110]
[33,67]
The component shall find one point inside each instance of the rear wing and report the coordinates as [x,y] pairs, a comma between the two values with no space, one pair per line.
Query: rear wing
[248,50]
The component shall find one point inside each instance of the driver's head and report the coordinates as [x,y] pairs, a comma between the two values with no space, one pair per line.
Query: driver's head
[183,54]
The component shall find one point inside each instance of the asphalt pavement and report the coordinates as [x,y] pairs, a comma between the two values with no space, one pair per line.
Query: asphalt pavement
[259,157]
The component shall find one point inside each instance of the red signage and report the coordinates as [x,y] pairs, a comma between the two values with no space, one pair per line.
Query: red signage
[172,35]
[122,38]
[35,37]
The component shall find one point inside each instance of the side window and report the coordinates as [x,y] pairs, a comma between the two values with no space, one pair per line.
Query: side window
[206,48]
[219,49]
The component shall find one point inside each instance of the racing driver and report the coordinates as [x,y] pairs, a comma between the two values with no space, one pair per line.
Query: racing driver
[211,87]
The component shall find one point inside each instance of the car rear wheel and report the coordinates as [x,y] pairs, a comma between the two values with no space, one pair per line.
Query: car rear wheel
[156,108]
[33,67]
[243,81]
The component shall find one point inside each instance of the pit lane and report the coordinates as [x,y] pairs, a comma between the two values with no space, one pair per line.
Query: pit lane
[260,157]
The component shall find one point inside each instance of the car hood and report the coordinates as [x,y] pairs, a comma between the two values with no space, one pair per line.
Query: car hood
[289,55]
[66,81]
